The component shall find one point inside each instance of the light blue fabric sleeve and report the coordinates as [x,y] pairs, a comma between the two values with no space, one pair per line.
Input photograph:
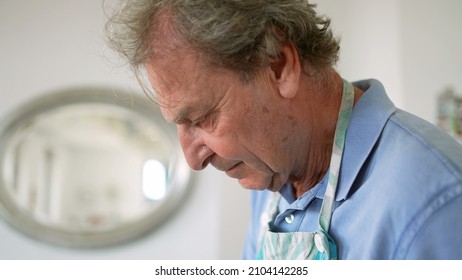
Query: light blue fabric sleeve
[249,246]
[440,237]
[258,203]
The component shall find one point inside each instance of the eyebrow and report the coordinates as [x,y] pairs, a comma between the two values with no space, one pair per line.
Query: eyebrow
[182,115]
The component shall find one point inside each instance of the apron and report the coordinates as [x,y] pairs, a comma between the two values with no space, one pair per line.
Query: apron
[317,245]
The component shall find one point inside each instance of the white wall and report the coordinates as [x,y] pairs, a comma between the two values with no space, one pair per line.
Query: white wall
[431,52]
[52,44]
[413,46]
[369,41]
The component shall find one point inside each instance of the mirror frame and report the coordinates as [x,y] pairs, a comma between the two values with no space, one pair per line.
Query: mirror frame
[19,219]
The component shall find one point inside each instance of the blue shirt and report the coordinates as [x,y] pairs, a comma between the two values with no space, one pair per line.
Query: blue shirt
[399,194]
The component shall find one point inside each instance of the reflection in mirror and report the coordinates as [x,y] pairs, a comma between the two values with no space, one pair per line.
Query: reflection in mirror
[89,167]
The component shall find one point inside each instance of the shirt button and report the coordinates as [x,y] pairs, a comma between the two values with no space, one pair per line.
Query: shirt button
[318,243]
[290,218]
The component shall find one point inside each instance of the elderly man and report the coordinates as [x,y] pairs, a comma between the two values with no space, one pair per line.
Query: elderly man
[337,171]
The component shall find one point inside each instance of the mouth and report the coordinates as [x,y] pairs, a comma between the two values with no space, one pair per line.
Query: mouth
[231,172]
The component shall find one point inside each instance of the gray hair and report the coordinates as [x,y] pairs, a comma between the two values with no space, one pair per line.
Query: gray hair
[240,35]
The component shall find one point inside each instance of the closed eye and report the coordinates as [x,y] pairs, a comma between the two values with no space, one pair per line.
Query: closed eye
[198,121]
[207,122]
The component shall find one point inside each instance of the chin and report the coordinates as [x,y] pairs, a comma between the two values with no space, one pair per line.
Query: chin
[255,185]
[250,184]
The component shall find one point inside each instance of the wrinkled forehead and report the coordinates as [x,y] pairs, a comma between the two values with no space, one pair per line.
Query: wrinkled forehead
[182,83]
[175,74]
[170,66]
[181,76]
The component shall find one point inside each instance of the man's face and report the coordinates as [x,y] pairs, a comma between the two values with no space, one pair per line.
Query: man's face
[240,128]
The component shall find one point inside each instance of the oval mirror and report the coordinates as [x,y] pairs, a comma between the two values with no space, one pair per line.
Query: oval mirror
[89,167]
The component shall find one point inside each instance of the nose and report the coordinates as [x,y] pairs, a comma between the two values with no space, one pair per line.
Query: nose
[195,150]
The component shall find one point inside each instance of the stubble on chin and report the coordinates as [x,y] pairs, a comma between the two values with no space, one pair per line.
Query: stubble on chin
[271,184]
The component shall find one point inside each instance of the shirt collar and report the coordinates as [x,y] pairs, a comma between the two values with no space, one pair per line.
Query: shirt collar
[288,193]
[367,121]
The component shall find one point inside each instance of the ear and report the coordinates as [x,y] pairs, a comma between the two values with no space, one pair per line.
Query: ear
[285,69]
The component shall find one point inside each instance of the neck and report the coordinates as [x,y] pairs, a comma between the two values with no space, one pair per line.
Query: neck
[321,109]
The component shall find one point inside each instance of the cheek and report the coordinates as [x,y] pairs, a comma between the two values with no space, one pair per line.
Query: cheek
[245,130]
[269,139]
[232,139]
[227,148]
[224,142]
[259,129]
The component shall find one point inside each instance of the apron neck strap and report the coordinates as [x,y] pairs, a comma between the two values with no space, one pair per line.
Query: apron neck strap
[344,114]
